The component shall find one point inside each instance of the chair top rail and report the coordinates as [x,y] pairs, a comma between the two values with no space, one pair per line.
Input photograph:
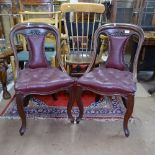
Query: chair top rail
[82,7]
[38,13]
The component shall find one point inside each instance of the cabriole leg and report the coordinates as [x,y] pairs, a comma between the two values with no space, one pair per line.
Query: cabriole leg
[70,104]
[20,108]
[79,103]
[129,110]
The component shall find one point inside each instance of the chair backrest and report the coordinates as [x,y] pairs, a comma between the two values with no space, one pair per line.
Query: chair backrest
[46,16]
[35,34]
[36,5]
[119,35]
[81,20]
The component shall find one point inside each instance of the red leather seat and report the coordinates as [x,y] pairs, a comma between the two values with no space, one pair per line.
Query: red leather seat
[108,80]
[42,80]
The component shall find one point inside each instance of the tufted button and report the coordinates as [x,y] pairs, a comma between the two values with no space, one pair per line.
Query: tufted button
[108,79]
[42,79]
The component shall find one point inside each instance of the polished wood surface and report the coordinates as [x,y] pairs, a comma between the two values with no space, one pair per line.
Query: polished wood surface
[149,38]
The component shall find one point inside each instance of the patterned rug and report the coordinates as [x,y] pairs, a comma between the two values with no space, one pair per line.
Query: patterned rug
[44,107]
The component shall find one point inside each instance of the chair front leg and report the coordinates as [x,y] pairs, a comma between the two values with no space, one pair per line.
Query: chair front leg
[124,102]
[79,103]
[151,90]
[26,100]
[70,103]
[20,108]
[129,110]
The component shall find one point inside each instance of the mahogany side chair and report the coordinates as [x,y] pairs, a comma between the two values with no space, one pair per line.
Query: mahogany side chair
[38,76]
[113,77]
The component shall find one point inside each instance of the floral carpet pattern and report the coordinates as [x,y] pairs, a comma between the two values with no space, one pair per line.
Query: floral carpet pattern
[105,108]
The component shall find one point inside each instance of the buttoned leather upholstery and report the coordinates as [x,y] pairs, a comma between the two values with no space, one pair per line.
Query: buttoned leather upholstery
[108,80]
[42,80]
[116,52]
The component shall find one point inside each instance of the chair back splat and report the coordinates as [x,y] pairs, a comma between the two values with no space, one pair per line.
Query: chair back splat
[38,76]
[114,77]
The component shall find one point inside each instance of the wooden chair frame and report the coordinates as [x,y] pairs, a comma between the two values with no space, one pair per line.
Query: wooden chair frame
[92,83]
[85,13]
